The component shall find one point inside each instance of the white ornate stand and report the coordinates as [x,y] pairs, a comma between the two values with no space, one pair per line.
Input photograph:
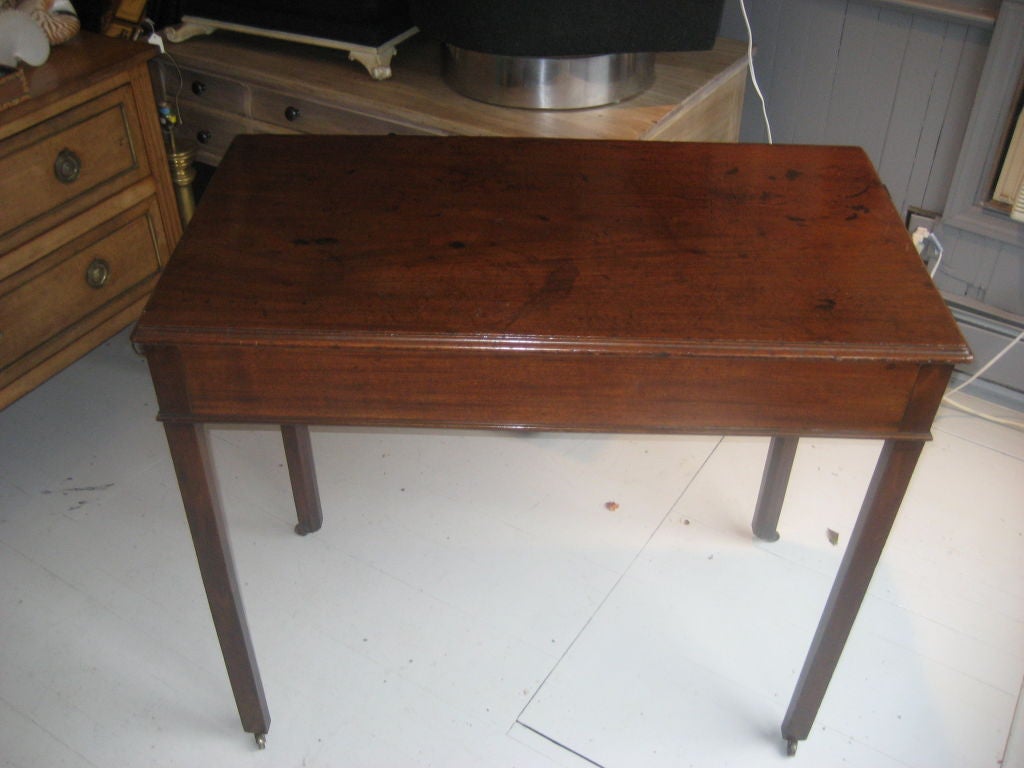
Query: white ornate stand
[376,59]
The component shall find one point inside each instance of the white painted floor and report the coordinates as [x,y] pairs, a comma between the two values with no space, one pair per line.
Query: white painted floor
[482,599]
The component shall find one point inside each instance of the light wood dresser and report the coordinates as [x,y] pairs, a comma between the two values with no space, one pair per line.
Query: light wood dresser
[87,212]
[225,85]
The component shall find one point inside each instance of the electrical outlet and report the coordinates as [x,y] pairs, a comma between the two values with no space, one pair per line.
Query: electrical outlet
[920,224]
[919,217]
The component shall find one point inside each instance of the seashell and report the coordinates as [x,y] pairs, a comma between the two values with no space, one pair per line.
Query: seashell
[57,18]
[21,39]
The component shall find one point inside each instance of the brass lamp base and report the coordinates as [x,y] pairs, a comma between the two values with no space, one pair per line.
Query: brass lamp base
[183,174]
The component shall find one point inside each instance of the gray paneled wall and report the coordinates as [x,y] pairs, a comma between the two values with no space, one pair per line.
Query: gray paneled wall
[900,84]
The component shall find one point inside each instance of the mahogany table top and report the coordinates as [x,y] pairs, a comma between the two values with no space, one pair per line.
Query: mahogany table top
[590,245]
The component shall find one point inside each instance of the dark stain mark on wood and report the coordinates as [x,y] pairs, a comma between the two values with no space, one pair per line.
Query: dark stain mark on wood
[558,284]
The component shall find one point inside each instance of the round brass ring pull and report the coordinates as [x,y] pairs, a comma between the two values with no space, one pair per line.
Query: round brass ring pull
[97,273]
[67,166]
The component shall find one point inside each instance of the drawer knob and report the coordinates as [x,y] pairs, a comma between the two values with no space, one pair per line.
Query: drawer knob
[198,87]
[291,114]
[67,166]
[204,136]
[97,273]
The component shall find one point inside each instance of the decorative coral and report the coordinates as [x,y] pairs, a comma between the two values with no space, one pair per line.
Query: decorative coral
[57,18]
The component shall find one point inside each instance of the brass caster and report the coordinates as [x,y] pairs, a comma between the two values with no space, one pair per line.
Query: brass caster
[261,740]
[791,747]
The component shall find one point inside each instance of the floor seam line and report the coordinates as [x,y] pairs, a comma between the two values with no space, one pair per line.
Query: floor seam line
[618,581]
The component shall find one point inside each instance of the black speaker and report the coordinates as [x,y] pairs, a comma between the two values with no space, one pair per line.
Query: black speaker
[570,27]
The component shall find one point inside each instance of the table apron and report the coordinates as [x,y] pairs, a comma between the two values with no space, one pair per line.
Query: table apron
[546,390]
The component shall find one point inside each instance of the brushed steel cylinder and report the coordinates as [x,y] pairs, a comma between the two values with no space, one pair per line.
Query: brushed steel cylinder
[548,82]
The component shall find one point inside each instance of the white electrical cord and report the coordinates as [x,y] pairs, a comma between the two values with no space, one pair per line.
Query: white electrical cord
[921,237]
[947,400]
[987,365]
[753,76]
[938,256]
[987,416]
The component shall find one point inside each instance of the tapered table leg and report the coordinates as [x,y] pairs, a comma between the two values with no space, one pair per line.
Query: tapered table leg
[774,481]
[885,494]
[190,454]
[299,452]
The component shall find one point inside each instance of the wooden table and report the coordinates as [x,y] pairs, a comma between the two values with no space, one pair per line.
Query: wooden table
[549,285]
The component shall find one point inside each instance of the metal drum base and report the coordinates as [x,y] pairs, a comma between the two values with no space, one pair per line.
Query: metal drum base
[551,82]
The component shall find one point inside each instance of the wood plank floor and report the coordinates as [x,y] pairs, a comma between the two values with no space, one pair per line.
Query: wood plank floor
[483,599]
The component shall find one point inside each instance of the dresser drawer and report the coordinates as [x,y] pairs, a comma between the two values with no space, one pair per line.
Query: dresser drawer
[77,281]
[212,131]
[85,193]
[65,164]
[203,88]
[305,116]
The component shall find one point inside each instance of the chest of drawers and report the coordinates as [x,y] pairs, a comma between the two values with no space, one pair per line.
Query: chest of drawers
[226,85]
[88,215]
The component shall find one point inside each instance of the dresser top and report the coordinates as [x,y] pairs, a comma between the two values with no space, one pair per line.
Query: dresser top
[85,59]
[417,94]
